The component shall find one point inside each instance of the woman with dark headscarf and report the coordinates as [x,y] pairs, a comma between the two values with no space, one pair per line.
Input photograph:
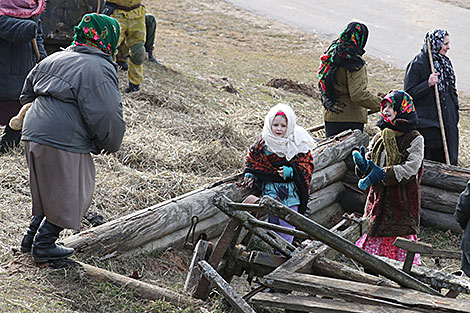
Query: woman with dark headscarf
[76,110]
[343,82]
[419,83]
[19,26]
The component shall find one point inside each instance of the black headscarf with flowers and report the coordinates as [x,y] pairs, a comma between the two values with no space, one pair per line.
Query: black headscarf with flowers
[406,118]
[99,31]
[442,63]
[345,51]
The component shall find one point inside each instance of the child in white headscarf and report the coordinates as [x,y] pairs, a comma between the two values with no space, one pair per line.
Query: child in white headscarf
[280,163]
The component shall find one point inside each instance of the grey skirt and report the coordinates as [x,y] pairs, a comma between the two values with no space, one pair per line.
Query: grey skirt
[61,182]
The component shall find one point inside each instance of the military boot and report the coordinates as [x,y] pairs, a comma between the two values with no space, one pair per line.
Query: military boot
[27,242]
[44,245]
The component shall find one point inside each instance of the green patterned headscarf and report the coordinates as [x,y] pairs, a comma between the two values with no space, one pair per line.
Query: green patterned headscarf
[99,31]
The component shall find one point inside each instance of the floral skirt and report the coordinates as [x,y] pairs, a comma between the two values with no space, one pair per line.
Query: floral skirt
[383,246]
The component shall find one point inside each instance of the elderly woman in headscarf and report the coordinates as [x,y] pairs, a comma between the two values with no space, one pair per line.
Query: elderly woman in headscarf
[280,164]
[76,110]
[19,26]
[343,82]
[419,83]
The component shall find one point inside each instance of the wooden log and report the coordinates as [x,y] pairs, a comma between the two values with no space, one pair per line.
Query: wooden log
[302,261]
[326,267]
[437,199]
[237,302]
[327,176]
[324,215]
[317,304]
[365,293]
[142,289]
[338,148]
[168,222]
[439,220]
[435,278]
[323,197]
[447,177]
[201,252]
[344,246]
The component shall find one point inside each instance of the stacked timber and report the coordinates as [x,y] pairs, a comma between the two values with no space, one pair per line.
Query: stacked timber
[326,186]
[167,224]
[441,186]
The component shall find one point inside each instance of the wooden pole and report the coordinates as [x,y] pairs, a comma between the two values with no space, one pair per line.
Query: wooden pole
[438,105]
[36,50]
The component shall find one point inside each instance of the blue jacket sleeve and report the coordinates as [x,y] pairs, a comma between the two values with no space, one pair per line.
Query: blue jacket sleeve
[17,30]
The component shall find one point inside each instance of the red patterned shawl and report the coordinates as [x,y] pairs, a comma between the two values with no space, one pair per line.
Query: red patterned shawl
[22,8]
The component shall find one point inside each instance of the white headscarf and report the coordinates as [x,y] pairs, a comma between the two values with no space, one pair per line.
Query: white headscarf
[297,139]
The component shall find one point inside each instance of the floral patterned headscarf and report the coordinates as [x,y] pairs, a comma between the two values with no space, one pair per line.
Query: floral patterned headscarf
[442,63]
[344,51]
[99,31]
[406,118]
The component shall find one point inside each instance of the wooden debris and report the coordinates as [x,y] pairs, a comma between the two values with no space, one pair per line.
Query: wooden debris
[201,252]
[347,248]
[232,297]
[365,293]
[144,290]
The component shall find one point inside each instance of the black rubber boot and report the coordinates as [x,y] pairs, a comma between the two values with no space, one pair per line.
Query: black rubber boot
[27,242]
[44,246]
[132,88]
[123,65]
[152,58]
[10,139]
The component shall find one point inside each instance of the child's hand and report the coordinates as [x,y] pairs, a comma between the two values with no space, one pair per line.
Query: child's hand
[280,171]
[248,181]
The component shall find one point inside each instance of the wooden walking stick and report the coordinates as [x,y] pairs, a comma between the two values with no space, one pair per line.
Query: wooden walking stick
[438,104]
[36,50]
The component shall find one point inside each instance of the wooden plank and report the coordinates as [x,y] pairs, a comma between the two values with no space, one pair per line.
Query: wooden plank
[229,293]
[321,305]
[327,176]
[342,245]
[302,261]
[278,228]
[365,293]
[435,278]
[201,252]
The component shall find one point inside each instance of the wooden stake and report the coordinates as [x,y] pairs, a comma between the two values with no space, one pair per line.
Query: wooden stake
[36,50]
[438,105]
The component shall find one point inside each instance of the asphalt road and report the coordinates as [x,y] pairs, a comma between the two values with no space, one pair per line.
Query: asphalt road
[396,27]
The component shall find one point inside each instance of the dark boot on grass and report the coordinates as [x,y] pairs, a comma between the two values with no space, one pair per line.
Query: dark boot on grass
[45,248]
[132,88]
[27,242]
[152,58]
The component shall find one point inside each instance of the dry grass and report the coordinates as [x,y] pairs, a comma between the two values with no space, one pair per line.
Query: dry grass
[183,131]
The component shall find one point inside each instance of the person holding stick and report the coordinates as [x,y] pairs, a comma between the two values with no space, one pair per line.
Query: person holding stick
[421,83]
[21,47]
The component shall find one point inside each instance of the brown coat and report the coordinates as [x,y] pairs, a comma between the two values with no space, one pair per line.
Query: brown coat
[351,90]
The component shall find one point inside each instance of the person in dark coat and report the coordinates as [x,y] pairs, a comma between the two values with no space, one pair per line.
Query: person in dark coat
[76,110]
[19,25]
[419,83]
[462,213]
